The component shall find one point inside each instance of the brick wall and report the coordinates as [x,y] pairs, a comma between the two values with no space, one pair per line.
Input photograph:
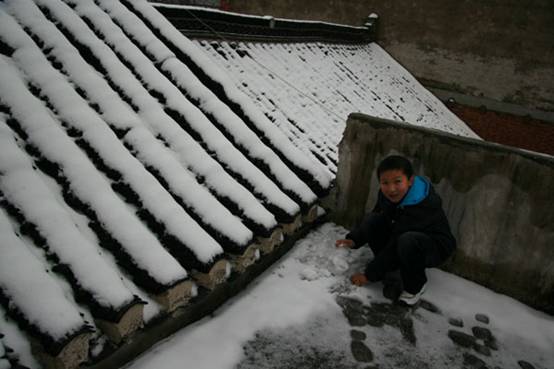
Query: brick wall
[523,132]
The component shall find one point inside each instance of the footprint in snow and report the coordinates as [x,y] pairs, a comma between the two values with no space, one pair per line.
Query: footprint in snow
[309,274]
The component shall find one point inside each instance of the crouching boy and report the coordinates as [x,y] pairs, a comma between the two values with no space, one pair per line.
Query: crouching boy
[407,230]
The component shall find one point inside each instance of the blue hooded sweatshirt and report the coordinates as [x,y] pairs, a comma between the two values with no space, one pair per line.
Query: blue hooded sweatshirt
[420,211]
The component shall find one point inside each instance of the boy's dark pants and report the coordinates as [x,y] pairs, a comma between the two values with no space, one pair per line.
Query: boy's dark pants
[411,252]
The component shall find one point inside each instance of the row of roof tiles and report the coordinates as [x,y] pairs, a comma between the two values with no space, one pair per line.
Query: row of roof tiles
[131,172]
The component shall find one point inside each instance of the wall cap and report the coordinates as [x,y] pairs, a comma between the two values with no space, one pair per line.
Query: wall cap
[382,123]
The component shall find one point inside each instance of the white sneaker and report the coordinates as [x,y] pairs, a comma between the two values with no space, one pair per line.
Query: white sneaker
[411,299]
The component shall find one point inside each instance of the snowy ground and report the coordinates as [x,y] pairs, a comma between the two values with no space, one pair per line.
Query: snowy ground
[303,313]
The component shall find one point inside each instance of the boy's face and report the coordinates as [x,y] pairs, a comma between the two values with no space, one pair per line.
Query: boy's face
[395,184]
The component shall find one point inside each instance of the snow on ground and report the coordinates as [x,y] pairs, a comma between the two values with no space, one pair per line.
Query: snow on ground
[295,316]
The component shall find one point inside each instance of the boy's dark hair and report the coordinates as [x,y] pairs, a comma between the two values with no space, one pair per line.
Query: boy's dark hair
[395,162]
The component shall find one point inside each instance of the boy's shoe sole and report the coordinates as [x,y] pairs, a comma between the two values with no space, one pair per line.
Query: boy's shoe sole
[409,299]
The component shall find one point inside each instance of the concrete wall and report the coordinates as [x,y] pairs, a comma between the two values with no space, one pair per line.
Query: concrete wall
[497,49]
[498,201]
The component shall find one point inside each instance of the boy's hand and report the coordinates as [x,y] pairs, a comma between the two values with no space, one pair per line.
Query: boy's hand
[345,243]
[359,279]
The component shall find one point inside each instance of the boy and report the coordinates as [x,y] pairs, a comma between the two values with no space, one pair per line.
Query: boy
[407,230]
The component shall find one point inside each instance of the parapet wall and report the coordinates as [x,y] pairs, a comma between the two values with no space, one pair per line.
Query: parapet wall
[498,200]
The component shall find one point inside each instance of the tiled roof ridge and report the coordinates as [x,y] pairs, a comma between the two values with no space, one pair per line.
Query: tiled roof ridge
[205,22]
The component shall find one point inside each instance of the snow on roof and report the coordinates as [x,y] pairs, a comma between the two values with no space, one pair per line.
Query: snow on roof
[308,90]
[132,162]
[122,176]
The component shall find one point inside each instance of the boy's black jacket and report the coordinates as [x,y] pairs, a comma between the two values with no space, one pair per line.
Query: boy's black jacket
[427,217]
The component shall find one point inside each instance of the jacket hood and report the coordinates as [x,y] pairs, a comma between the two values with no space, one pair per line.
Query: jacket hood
[418,192]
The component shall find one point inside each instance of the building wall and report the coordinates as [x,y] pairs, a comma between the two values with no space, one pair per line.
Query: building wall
[498,49]
[497,199]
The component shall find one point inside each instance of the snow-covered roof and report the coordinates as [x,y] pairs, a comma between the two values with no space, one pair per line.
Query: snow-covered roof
[136,164]
[125,180]
[309,89]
